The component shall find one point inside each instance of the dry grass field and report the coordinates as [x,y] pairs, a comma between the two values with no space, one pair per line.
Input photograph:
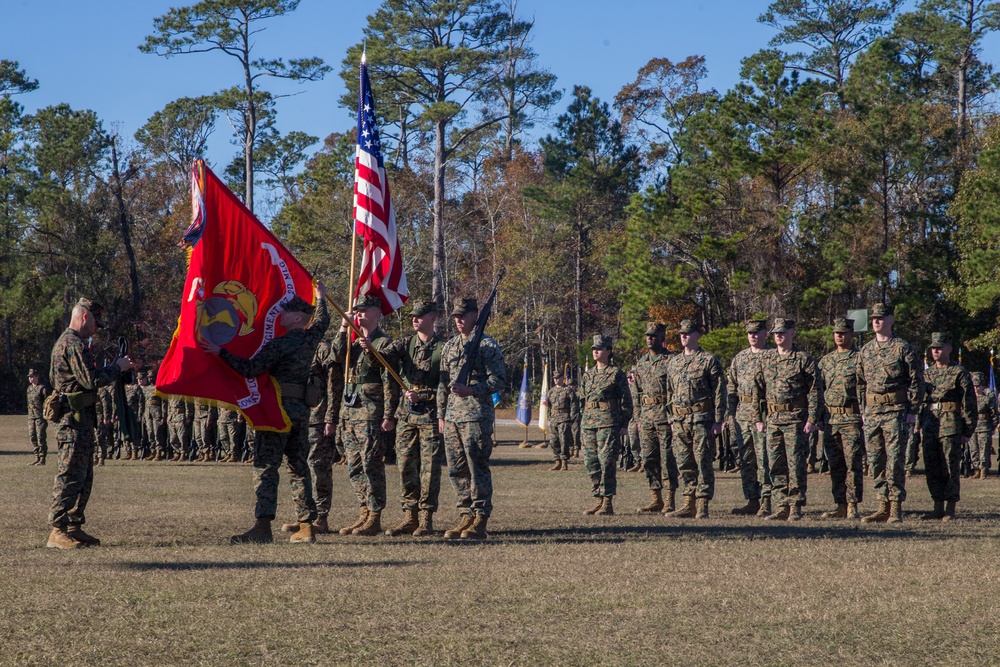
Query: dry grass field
[551,586]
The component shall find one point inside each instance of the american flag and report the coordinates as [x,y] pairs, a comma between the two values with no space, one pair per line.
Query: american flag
[374,219]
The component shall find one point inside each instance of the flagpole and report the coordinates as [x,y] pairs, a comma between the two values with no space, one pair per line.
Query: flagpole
[350,276]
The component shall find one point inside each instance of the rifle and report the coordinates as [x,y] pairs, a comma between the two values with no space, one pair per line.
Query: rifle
[128,424]
[472,347]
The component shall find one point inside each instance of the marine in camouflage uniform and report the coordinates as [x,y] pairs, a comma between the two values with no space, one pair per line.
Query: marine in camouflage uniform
[201,437]
[698,396]
[564,412]
[652,402]
[419,449]
[986,425]
[948,420]
[755,473]
[288,359]
[633,440]
[572,384]
[154,423]
[375,396]
[75,375]
[791,387]
[37,393]
[607,410]
[134,401]
[232,435]
[465,416]
[891,377]
[105,424]
[842,422]
[180,418]
[328,374]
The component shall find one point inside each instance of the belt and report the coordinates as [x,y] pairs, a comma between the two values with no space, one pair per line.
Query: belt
[842,410]
[745,398]
[944,407]
[658,399]
[797,404]
[698,408]
[891,398]
[289,390]
[603,405]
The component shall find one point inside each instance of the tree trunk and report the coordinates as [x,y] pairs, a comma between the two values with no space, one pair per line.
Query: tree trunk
[123,223]
[578,284]
[437,267]
[251,129]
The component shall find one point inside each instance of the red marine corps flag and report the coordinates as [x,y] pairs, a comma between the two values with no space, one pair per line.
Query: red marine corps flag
[239,278]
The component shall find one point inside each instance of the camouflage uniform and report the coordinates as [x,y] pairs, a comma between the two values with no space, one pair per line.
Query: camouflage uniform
[892,378]
[468,422]
[205,417]
[105,426]
[607,408]
[330,374]
[419,449]
[75,374]
[652,400]
[377,396]
[755,473]
[288,359]
[153,426]
[698,395]
[564,412]
[232,434]
[634,439]
[179,420]
[949,414]
[134,400]
[986,424]
[37,393]
[842,425]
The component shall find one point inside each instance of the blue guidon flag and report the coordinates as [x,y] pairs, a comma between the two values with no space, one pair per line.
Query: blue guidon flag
[524,399]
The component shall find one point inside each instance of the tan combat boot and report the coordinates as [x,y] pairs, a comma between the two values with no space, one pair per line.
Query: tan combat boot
[702,511]
[35,462]
[879,516]
[304,535]
[176,457]
[542,445]
[655,506]
[259,534]
[41,461]
[477,531]
[750,509]
[362,517]
[765,508]
[636,468]
[852,510]
[158,456]
[936,514]
[76,532]
[949,511]
[60,539]
[795,512]
[524,445]
[781,515]
[290,527]
[465,521]
[558,466]
[409,524]
[321,525]
[608,508]
[895,512]
[839,513]
[596,508]
[670,504]
[371,526]
[687,511]
[426,526]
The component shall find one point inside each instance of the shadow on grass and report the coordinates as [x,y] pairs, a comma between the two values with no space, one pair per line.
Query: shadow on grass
[19,452]
[150,566]
[516,463]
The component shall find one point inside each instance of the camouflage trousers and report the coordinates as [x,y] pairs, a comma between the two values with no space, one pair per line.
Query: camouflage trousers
[885,441]
[561,440]
[232,439]
[179,431]
[694,449]
[321,452]
[75,475]
[468,447]
[155,433]
[269,449]
[202,444]
[912,451]
[657,450]
[845,450]
[103,435]
[366,462]
[755,471]
[635,440]
[601,447]
[942,463]
[419,455]
[36,435]
[981,449]
[788,456]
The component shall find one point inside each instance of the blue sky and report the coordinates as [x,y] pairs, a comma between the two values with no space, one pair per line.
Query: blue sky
[85,53]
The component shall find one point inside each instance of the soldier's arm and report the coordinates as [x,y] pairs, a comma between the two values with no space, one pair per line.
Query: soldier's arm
[334,389]
[444,383]
[258,364]
[994,412]
[339,346]
[321,320]
[89,378]
[758,393]
[625,399]
[496,371]
[732,387]
[574,406]
[815,394]
[915,392]
[390,388]
[862,384]
[970,407]
[719,389]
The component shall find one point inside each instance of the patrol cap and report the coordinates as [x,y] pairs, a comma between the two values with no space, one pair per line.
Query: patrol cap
[755,326]
[421,308]
[979,379]
[881,310]
[782,324]
[463,305]
[95,309]
[299,305]
[32,372]
[367,301]
[601,342]
[687,326]
[655,328]
[843,325]
[940,339]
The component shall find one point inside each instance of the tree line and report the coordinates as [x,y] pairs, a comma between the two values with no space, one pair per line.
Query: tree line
[856,160]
